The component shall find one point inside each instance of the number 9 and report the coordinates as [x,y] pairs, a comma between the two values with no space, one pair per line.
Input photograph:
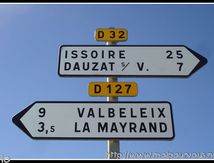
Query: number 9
[42,112]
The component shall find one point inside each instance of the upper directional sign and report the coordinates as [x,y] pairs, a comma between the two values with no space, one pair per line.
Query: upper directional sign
[97,120]
[111,34]
[132,60]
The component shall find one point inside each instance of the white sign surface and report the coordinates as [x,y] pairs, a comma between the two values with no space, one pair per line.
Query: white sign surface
[97,120]
[132,60]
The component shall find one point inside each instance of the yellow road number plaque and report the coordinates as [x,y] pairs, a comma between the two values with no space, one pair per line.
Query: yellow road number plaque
[108,34]
[113,89]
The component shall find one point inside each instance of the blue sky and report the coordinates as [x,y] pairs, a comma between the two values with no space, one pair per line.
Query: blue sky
[30,37]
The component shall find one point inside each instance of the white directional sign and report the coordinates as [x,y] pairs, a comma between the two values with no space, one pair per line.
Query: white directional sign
[132,60]
[97,120]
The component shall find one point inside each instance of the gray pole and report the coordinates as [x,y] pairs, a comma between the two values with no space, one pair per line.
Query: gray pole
[113,144]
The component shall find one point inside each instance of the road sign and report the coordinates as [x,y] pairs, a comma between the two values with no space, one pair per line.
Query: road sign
[111,34]
[132,60]
[97,120]
[112,89]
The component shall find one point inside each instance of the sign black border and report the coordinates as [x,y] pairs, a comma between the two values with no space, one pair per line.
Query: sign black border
[19,124]
[201,63]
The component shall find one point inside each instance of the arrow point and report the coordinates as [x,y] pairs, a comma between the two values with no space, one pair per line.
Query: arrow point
[17,120]
[201,63]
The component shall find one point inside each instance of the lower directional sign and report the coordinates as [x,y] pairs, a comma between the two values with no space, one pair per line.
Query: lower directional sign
[97,120]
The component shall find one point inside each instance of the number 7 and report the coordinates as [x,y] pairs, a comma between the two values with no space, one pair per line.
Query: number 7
[128,87]
[180,65]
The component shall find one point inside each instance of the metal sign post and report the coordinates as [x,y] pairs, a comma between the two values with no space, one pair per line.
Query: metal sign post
[113,145]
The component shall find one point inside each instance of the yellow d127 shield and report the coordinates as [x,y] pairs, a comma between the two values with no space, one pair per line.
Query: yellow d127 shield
[113,89]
